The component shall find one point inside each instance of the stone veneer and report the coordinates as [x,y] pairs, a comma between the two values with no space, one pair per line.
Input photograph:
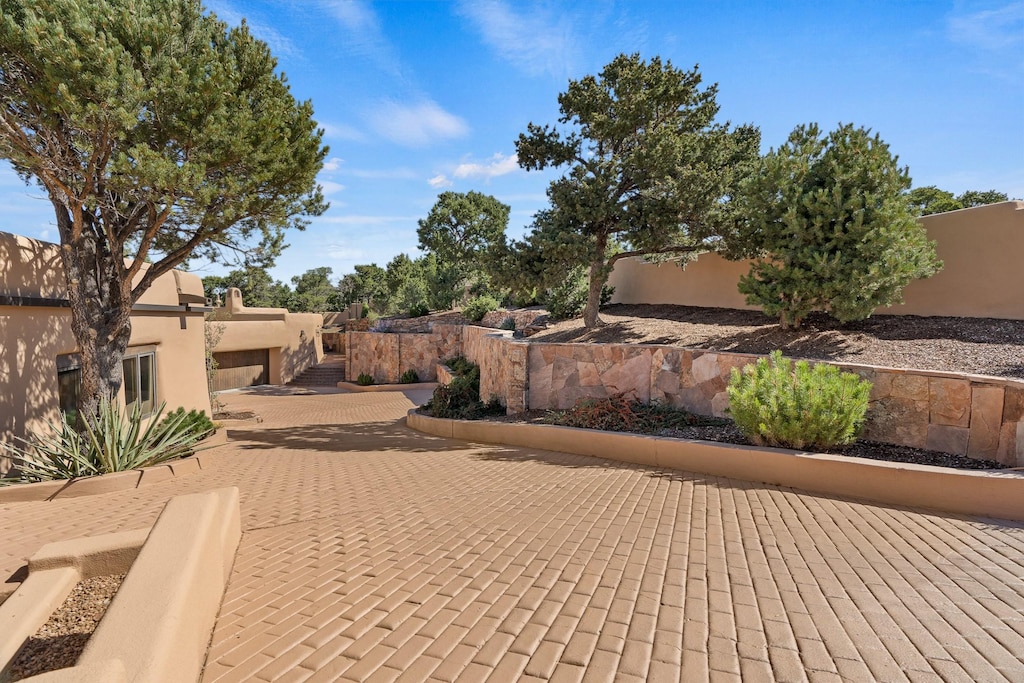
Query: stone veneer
[981,417]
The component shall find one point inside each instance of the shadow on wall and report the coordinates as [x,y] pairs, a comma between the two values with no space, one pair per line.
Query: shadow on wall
[29,339]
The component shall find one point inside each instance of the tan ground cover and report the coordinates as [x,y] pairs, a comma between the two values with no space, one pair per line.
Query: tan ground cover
[984,346]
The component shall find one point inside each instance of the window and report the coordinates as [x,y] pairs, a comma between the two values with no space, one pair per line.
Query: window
[69,386]
[140,382]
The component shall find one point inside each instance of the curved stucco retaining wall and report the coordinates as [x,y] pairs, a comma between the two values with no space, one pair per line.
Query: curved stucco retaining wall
[981,249]
[991,493]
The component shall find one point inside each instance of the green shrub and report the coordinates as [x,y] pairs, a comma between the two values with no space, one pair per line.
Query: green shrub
[480,306]
[111,442]
[195,421]
[418,310]
[409,377]
[364,380]
[777,404]
[460,399]
[569,298]
[508,323]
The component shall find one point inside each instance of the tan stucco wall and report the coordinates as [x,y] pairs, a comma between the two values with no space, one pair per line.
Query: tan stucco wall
[31,338]
[293,338]
[982,250]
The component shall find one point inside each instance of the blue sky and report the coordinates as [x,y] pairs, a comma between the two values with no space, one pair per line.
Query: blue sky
[421,97]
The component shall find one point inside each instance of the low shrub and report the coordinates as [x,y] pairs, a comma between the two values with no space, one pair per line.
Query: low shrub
[110,442]
[619,413]
[195,421]
[777,403]
[409,377]
[569,298]
[508,323]
[460,399]
[480,306]
[364,380]
[418,310]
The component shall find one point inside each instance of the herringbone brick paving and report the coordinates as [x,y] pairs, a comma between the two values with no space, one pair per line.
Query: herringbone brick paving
[373,553]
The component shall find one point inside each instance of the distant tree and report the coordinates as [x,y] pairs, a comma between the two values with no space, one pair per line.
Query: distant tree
[648,168]
[459,229]
[976,198]
[827,220]
[368,285]
[929,199]
[258,288]
[314,293]
[157,133]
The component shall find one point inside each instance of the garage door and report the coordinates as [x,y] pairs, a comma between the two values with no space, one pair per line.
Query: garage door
[237,369]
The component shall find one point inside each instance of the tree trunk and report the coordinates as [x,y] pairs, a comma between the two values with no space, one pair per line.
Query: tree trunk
[101,306]
[597,277]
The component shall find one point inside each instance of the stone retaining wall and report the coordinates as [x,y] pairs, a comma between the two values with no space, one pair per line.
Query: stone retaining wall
[980,417]
[386,355]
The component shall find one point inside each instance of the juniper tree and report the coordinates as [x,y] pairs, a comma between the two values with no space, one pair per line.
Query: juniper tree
[827,220]
[157,133]
[459,229]
[648,170]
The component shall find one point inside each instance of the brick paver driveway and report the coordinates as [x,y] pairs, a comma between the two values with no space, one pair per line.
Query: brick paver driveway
[371,552]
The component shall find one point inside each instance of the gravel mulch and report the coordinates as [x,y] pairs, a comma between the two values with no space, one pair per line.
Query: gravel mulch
[725,431]
[60,641]
[983,346]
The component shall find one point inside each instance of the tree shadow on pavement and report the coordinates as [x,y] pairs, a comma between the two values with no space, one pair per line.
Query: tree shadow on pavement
[365,437]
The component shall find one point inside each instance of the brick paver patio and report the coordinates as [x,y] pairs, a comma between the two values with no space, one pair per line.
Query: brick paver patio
[373,553]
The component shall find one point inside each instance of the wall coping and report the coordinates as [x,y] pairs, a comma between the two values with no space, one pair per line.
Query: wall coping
[983,493]
[117,481]
[158,625]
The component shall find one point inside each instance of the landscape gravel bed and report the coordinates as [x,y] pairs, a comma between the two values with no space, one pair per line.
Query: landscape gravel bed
[983,346]
[60,641]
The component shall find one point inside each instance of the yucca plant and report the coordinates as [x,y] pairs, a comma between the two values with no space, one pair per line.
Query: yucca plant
[775,403]
[111,442]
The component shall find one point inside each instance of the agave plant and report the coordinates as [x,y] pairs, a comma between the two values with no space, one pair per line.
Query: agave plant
[110,442]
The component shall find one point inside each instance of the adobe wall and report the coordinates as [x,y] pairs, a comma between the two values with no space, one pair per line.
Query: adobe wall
[981,249]
[294,339]
[32,336]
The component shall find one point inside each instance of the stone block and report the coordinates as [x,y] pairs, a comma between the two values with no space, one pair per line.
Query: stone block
[1010,443]
[986,421]
[947,439]
[897,420]
[910,387]
[1013,403]
[705,368]
[949,401]
[719,404]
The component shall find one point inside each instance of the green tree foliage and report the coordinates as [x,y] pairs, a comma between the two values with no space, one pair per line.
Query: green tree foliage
[314,292]
[647,167]
[827,221]
[929,199]
[367,285]
[258,289]
[459,229]
[158,133]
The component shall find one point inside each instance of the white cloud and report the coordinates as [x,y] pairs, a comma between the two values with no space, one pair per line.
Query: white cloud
[440,180]
[532,40]
[416,125]
[498,165]
[363,36]
[280,46]
[995,29]
[342,252]
[400,173]
[333,164]
[341,131]
[330,187]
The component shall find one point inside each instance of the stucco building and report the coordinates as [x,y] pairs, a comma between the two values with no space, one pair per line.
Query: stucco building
[39,371]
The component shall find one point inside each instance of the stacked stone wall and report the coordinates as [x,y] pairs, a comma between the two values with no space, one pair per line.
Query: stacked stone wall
[980,417]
